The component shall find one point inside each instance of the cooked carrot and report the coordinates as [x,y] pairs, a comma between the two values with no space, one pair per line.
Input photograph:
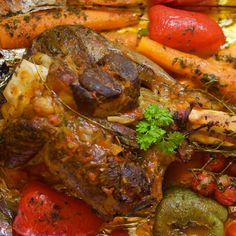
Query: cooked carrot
[222,77]
[107,2]
[18,31]
[226,56]
[230,50]
[128,39]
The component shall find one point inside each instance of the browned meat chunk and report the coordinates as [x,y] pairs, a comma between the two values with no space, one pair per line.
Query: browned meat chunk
[104,82]
[113,183]
[22,140]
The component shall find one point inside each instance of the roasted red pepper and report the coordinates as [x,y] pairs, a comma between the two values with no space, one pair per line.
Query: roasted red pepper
[185,30]
[44,211]
[183,2]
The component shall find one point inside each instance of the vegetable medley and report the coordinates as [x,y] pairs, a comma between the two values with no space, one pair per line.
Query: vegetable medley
[119,118]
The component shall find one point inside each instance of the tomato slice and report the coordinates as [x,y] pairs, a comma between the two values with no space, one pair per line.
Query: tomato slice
[186,31]
[44,211]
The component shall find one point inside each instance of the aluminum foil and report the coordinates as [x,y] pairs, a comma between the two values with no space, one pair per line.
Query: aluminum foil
[8,60]
[9,199]
[15,6]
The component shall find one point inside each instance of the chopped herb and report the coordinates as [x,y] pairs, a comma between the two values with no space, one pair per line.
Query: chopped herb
[27,19]
[143,32]
[209,79]
[169,144]
[175,60]
[197,71]
[182,62]
[150,130]
[226,58]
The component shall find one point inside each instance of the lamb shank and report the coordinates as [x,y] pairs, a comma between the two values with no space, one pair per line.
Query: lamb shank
[65,102]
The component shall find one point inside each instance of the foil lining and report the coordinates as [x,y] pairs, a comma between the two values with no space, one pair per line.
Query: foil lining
[8,60]
[23,6]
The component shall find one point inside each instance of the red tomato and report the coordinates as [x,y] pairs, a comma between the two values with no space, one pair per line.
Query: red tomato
[185,30]
[45,212]
[230,228]
[204,183]
[232,170]
[226,197]
[217,164]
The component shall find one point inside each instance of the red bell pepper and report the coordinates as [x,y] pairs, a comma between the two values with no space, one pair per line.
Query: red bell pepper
[46,212]
[183,2]
[185,30]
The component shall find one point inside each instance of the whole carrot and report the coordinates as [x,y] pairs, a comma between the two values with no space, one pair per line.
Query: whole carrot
[209,73]
[115,3]
[18,31]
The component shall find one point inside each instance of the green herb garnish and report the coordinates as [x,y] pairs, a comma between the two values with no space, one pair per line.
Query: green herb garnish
[143,32]
[151,130]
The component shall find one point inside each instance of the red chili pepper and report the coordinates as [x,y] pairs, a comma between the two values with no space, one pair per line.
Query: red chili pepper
[44,211]
[185,30]
[204,183]
[226,197]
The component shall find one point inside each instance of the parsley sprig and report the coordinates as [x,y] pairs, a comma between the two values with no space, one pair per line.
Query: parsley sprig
[151,130]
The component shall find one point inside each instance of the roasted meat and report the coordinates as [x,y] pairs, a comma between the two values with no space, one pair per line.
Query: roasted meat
[17,147]
[76,80]
[90,161]
[103,81]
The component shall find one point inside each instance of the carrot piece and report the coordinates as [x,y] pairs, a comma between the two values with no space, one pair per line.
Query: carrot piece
[18,31]
[107,2]
[226,56]
[128,39]
[191,66]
